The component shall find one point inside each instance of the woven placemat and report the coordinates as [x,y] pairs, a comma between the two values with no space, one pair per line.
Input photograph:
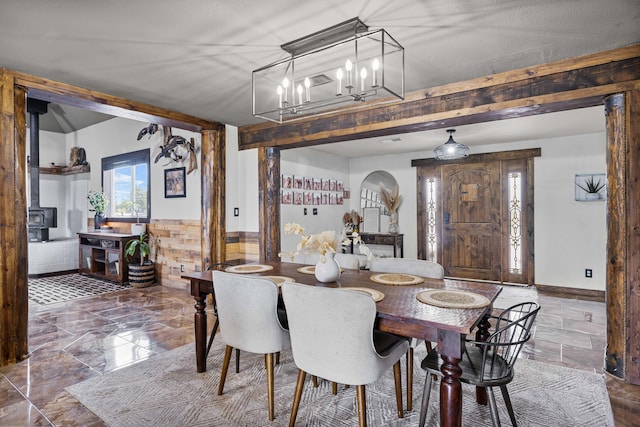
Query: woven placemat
[311,269]
[279,279]
[397,279]
[453,298]
[374,293]
[248,268]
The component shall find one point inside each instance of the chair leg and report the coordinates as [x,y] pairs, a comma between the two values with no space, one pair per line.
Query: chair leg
[362,405]
[268,362]
[237,361]
[314,380]
[225,368]
[507,402]
[426,394]
[495,418]
[213,334]
[334,388]
[277,358]
[410,379]
[297,396]
[397,376]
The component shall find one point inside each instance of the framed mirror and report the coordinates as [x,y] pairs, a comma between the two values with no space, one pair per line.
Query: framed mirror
[370,198]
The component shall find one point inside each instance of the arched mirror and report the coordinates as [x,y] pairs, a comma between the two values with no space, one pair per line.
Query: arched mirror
[374,212]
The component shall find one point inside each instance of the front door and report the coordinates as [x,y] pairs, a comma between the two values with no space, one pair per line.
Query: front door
[472,220]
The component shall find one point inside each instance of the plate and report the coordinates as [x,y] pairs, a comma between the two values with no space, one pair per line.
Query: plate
[397,279]
[374,293]
[279,280]
[248,268]
[453,298]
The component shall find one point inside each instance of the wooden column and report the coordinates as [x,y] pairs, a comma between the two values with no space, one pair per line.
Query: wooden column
[213,246]
[13,222]
[623,242]
[269,202]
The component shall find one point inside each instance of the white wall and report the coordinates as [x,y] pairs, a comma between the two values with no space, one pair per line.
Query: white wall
[242,184]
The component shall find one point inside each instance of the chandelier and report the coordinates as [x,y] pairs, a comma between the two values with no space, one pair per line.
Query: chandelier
[451,150]
[336,68]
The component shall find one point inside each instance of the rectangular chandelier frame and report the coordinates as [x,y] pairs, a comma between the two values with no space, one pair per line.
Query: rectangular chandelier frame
[339,76]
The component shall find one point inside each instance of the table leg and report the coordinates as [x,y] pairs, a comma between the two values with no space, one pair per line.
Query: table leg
[450,392]
[482,334]
[200,322]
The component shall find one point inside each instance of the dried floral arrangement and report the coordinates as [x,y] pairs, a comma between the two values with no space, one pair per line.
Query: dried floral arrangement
[390,199]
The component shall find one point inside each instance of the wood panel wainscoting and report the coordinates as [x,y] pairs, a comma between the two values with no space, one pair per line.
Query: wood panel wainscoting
[572,293]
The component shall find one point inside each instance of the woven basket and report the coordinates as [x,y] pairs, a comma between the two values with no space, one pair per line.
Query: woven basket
[142,276]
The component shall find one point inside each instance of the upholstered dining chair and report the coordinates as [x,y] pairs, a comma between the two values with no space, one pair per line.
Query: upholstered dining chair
[489,363]
[417,267]
[333,337]
[250,321]
[348,261]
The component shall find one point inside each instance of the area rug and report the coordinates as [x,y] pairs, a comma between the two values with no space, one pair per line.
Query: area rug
[166,391]
[53,289]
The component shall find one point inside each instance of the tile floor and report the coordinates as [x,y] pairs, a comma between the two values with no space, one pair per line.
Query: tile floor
[71,342]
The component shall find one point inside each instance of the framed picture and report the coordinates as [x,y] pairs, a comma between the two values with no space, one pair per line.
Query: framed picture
[371,220]
[287,181]
[287,196]
[591,187]
[175,184]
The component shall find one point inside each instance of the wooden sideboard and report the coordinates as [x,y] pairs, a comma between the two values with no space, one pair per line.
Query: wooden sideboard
[102,255]
[395,240]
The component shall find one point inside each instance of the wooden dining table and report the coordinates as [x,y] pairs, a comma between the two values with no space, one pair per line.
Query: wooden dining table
[399,312]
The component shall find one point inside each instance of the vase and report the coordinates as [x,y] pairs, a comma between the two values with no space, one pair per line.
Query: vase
[98,220]
[393,223]
[329,270]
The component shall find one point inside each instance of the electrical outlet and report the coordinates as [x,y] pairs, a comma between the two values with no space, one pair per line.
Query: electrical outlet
[236,211]
[305,211]
[181,268]
[588,273]
[315,211]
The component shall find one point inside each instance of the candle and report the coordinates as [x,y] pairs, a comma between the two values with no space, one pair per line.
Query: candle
[363,77]
[339,77]
[374,66]
[300,94]
[307,85]
[285,85]
[348,67]
[279,90]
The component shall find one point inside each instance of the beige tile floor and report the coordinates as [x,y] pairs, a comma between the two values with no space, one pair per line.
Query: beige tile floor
[77,340]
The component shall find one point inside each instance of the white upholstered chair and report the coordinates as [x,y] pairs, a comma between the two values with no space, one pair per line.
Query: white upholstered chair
[250,321]
[417,267]
[333,337]
[348,261]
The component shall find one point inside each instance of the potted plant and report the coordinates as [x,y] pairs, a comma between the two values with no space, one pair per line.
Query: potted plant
[138,206]
[98,202]
[592,188]
[142,274]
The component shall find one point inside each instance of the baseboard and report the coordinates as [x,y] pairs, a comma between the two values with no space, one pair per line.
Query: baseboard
[55,273]
[562,292]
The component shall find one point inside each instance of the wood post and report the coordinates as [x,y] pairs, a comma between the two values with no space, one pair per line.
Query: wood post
[623,244]
[269,202]
[13,222]
[213,216]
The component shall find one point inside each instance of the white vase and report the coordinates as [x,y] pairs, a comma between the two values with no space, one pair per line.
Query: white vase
[138,228]
[329,270]
[393,223]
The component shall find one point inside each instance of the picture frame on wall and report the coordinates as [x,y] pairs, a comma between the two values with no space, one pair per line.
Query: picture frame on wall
[175,184]
[591,187]
[287,181]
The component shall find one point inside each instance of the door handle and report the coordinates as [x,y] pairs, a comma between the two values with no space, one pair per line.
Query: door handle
[446,217]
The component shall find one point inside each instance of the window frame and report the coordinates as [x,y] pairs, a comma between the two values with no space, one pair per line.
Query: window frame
[131,158]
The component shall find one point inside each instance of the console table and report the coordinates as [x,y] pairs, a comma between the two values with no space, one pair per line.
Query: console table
[395,240]
[102,255]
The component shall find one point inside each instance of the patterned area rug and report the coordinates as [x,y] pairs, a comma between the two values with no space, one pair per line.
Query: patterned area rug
[166,391]
[52,289]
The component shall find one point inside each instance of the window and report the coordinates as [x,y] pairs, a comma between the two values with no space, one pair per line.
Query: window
[125,181]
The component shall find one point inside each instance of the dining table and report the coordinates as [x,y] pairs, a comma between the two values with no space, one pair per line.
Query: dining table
[399,312]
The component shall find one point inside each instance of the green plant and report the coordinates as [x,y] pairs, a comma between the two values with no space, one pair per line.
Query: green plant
[98,201]
[142,244]
[590,186]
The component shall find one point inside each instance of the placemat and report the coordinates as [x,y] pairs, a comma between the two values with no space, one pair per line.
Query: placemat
[311,269]
[397,279]
[280,279]
[453,298]
[248,268]
[374,293]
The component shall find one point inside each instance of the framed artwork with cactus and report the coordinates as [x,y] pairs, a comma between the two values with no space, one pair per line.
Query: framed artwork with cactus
[591,187]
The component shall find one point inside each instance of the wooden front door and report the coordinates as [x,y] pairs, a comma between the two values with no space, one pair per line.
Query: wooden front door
[472,220]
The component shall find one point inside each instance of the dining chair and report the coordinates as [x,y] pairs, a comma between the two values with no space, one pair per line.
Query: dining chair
[348,261]
[417,267]
[250,321]
[333,337]
[489,363]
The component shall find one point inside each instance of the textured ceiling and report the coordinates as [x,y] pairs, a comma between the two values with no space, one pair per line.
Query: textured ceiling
[196,56]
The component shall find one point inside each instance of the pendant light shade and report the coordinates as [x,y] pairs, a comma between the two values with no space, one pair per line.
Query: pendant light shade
[451,149]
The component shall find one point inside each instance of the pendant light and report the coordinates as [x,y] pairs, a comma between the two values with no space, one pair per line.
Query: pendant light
[451,150]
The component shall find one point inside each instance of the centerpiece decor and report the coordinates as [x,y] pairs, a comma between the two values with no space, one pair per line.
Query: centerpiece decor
[352,221]
[98,202]
[391,200]
[325,243]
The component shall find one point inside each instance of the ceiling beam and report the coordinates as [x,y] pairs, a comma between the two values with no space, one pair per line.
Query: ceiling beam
[563,85]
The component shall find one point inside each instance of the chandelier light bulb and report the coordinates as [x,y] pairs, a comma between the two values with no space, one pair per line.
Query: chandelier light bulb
[348,66]
[307,85]
[375,65]
[339,76]
[285,85]
[363,77]
[279,90]
[299,94]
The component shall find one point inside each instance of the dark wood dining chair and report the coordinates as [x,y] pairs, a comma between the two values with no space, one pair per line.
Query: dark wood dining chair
[489,363]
